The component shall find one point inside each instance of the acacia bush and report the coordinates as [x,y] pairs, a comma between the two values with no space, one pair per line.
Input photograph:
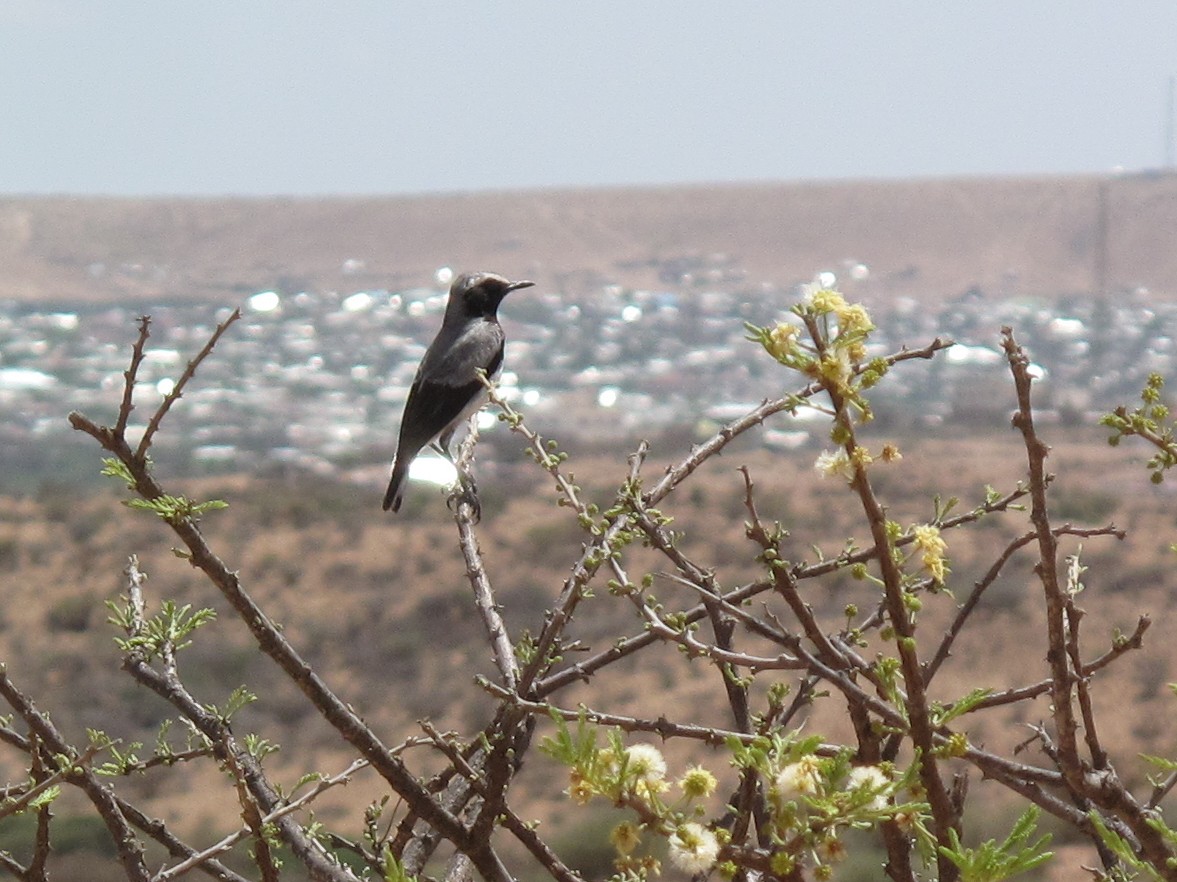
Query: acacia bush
[828,730]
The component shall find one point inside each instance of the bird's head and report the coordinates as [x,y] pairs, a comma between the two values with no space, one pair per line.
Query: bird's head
[478,295]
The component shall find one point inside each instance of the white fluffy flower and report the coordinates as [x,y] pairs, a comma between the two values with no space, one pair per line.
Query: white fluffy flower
[801,777]
[835,464]
[873,780]
[645,762]
[693,848]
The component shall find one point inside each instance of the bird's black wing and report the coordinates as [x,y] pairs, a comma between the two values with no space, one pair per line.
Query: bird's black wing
[444,390]
[430,408]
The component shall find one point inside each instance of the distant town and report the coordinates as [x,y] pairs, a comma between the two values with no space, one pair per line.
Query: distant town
[316,380]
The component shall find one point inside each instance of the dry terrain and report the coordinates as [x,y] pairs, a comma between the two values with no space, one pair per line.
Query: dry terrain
[383,609]
[925,239]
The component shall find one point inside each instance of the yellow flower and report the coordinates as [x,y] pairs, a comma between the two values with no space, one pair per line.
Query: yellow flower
[580,789]
[872,780]
[853,318]
[647,789]
[825,300]
[932,548]
[697,783]
[832,850]
[625,837]
[782,340]
[836,367]
[645,762]
[782,863]
[861,457]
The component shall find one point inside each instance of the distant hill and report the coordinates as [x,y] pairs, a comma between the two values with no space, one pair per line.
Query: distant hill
[926,239]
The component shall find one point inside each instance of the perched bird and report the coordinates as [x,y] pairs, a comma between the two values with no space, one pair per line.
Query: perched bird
[446,389]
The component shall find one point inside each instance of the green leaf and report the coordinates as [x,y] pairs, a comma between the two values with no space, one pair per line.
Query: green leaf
[45,797]
[1165,765]
[116,468]
[175,509]
[993,862]
[944,716]
[394,870]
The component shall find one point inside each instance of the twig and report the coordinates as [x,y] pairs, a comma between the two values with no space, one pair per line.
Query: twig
[991,576]
[130,375]
[158,831]
[17,803]
[251,810]
[9,863]
[199,858]
[1047,568]
[590,561]
[246,770]
[178,390]
[1101,786]
[127,844]
[484,599]
[626,646]
[661,727]
[548,859]
[945,817]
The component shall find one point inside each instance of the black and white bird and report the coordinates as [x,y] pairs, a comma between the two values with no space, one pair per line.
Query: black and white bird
[446,389]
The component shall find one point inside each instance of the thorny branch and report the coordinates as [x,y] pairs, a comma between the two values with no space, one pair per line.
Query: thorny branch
[272,642]
[199,858]
[1088,778]
[468,800]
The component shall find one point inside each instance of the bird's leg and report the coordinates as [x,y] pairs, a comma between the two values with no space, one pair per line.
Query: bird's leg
[465,477]
[467,487]
[467,491]
[441,444]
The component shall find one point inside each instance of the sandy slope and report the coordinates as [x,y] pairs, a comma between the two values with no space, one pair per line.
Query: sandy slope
[921,238]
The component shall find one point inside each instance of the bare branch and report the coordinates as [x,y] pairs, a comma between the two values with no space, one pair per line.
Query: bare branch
[484,599]
[127,844]
[198,859]
[131,375]
[178,390]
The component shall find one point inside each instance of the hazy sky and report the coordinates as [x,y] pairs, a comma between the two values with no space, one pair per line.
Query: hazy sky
[376,96]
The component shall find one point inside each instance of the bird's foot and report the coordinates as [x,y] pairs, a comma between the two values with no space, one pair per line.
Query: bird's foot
[466,491]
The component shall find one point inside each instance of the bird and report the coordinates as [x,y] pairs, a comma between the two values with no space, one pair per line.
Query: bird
[446,389]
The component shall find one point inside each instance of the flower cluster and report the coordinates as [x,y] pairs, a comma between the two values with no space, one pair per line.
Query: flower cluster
[826,340]
[635,777]
[840,464]
[815,797]
[931,548]
[812,776]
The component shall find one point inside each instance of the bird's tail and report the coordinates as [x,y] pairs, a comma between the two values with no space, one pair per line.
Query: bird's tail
[392,496]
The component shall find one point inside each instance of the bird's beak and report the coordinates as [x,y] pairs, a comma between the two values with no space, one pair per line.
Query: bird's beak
[515,286]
